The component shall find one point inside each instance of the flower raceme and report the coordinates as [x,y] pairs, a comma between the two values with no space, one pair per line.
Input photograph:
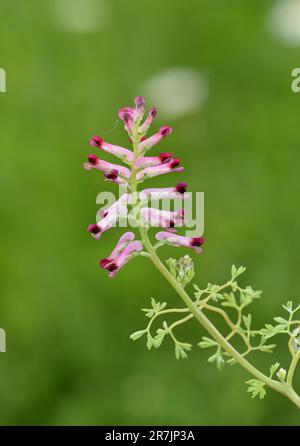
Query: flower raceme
[123,173]
[139,168]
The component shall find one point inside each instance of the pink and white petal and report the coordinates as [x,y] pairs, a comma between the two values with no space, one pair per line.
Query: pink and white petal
[122,153]
[151,115]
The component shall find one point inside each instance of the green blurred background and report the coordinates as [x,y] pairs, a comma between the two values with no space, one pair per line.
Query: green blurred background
[69,359]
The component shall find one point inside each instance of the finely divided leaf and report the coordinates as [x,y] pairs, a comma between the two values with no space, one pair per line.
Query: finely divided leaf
[257,388]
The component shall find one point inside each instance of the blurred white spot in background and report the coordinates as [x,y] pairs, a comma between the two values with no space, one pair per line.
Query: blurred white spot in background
[176,91]
[284,21]
[80,15]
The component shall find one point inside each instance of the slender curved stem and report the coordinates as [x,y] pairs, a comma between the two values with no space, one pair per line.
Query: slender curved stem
[174,310]
[181,321]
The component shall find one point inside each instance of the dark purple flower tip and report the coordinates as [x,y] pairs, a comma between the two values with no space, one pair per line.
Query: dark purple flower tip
[104,262]
[165,130]
[127,117]
[112,175]
[181,187]
[197,241]
[94,229]
[174,163]
[108,264]
[181,212]
[96,141]
[153,112]
[111,266]
[93,159]
[165,156]
[171,224]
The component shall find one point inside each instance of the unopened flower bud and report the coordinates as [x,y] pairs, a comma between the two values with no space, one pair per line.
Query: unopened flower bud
[281,374]
[185,270]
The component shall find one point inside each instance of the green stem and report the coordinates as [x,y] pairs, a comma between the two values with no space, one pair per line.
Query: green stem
[283,388]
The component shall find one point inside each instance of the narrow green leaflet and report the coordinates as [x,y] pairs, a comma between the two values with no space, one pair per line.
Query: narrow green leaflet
[218,359]
[156,308]
[181,348]
[274,368]
[207,342]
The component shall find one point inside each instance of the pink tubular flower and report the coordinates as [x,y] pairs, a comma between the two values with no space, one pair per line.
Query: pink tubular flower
[114,264]
[122,153]
[149,172]
[95,163]
[151,115]
[179,191]
[154,139]
[179,240]
[151,161]
[126,115]
[163,219]
[108,221]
